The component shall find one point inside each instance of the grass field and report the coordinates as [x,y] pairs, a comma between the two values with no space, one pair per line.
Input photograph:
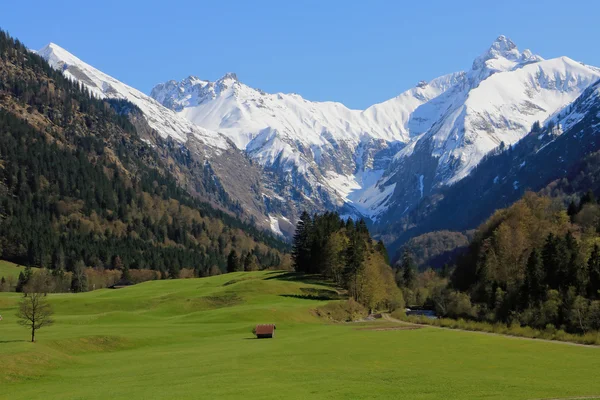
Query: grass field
[9,269]
[191,339]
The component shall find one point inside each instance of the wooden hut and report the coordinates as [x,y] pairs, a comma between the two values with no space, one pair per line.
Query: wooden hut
[264,331]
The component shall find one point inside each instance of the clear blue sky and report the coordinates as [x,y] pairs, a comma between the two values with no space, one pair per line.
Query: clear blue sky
[356,52]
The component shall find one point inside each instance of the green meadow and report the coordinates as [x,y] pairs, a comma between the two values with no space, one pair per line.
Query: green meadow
[9,269]
[191,339]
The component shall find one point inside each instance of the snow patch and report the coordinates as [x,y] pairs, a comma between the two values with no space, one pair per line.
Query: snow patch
[274,223]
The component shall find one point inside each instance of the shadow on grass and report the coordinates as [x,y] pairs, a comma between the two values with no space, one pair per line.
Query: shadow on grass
[13,341]
[315,294]
[311,279]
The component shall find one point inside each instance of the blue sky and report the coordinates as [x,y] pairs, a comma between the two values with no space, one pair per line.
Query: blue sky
[356,52]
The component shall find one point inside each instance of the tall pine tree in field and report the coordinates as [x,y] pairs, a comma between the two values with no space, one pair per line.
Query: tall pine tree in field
[301,252]
[355,257]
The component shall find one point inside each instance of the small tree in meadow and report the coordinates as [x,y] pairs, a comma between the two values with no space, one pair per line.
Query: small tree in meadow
[34,312]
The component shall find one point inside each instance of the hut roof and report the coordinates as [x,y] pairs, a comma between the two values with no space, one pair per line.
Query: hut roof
[265,329]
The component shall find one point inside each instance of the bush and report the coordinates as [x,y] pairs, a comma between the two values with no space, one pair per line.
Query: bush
[143,275]
[398,313]
[186,273]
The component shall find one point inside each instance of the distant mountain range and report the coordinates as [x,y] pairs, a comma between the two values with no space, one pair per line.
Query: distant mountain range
[278,154]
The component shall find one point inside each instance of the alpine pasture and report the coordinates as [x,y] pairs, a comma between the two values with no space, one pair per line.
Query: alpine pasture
[191,339]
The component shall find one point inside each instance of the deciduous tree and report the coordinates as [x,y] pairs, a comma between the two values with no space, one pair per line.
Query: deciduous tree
[34,312]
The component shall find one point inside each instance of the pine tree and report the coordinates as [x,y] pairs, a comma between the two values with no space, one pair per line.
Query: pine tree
[58,258]
[126,276]
[593,288]
[574,272]
[556,262]
[24,278]
[355,257]
[21,282]
[380,247]
[588,198]
[408,267]
[301,252]
[534,278]
[250,262]
[233,262]
[572,210]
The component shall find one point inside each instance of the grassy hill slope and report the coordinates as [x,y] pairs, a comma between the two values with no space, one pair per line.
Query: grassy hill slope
[10,269]
[190,339]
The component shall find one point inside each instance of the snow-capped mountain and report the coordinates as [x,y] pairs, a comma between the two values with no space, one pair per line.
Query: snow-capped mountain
[328,152]
[552,157]
[394,153]
[323,148]
[380,162]
[496,102]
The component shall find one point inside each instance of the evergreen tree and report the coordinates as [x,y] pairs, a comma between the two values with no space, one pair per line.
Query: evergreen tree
[24,278]
[58,258]
[301,252]
[21,282]
[593,289]
[534,278]
[556,262]
[233,262]
[250,262]
[409,273]
[572,210]
[355,257]
[380,247]
[574,274]
[173,269]
[588,198]
[126,276]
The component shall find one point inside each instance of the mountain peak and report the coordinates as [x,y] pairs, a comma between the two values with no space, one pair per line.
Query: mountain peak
[57,56]
[503,44]
[503,55]
[230,76]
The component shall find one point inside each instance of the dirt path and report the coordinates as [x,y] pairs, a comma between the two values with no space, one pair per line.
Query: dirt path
[388,317]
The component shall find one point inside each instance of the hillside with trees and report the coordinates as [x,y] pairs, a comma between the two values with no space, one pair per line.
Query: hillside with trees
[81,192]
[536,264]
[435,249]
[344,252]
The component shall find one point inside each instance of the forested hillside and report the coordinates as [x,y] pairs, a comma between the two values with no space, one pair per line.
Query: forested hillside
[535,263]
[78,187]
